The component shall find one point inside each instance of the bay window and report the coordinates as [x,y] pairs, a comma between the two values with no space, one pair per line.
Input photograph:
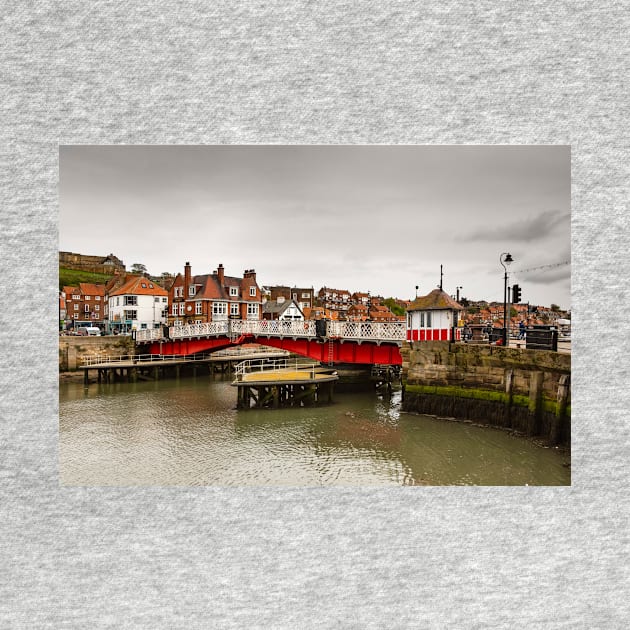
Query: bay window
[219,311]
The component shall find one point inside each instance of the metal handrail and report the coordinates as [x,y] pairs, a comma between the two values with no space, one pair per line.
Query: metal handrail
[141,358]
[153,358]
[376,331]
[272,365]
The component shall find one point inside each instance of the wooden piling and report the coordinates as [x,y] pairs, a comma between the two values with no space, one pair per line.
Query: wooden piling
[535,402]
[561,410]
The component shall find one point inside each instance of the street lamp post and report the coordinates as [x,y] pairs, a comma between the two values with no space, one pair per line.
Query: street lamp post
[505,259]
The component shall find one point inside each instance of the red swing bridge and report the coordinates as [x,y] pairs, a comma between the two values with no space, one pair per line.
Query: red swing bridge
[330,342]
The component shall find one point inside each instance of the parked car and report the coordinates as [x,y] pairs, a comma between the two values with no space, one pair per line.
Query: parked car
[89,331]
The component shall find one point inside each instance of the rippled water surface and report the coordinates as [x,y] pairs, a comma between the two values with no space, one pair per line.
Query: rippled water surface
[188,432]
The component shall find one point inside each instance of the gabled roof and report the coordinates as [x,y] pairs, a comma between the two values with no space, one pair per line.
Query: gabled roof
[133,286]
[437,300]
[272,306]
[88,288]
[211,289]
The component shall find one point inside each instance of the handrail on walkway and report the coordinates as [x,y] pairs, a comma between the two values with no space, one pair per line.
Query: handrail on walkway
[250,366]
[228,354]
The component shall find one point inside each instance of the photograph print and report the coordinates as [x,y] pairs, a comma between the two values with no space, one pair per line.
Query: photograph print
[317,315]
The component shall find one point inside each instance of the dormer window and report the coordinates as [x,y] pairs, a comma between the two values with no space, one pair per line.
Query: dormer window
[233,291]
[143,285]
[191,290]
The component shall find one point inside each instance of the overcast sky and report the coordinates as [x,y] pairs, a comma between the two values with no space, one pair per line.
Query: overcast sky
[363,218]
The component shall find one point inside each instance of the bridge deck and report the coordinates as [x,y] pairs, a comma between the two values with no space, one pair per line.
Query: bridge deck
[286,377]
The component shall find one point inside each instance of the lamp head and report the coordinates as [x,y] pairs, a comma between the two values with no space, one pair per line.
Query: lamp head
[508,259]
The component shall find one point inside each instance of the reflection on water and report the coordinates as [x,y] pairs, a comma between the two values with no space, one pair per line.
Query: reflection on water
[189,432]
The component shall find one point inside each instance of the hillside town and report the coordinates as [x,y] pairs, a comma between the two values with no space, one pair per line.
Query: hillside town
[127,301]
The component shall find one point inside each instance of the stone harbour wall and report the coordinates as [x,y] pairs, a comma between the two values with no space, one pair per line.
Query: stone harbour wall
[526,391]
[72,350]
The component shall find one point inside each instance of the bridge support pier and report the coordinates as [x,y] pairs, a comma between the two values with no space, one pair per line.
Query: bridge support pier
[280,395]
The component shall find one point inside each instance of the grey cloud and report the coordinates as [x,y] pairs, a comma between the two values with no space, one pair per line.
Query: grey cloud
[526,229]
[545,275]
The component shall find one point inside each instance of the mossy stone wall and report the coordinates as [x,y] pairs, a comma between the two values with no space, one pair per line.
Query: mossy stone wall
[524,390]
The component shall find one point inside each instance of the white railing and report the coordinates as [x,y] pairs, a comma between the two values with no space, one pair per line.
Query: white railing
[276,328]
[149,334]
[225,355]
[273,365]
[200,330]
[367,331]
[139,359]
[383,331]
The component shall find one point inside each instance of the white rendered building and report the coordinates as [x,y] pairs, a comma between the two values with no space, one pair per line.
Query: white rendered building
[137,304]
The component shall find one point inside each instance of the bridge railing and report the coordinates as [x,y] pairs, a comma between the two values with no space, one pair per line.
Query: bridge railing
[367,331]
[276,328]
[199,330]
[149,334]
[383,331]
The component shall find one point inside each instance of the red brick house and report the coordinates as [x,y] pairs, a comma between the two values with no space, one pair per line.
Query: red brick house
[213,297]
[358,313]
[380,313]
[85,303]
[335,299]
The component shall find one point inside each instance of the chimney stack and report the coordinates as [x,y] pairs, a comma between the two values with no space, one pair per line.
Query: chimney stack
[221,274]
[187,278]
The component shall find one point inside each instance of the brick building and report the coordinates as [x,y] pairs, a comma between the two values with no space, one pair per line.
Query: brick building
[84,303]
[197,299]
[304,297]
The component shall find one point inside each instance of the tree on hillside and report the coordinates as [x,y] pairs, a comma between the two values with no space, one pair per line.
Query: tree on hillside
[138,268]
[555,308]
[393,307]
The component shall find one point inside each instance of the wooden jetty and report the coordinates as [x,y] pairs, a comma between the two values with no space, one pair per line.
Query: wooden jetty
[131,368]
[279,383]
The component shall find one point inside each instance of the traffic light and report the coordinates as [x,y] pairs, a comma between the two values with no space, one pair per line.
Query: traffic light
[516,294]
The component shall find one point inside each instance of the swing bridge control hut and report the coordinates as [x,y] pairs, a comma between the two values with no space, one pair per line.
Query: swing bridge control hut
[433,317]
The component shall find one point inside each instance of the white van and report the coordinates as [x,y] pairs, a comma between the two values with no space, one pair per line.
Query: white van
[89,331]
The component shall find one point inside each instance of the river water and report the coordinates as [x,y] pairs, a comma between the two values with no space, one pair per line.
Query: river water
[188,432]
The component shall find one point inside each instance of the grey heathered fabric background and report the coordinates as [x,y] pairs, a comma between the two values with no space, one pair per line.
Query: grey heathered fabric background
[327,72]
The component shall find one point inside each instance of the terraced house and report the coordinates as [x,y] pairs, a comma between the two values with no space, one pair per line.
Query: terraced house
[85,303]
[197,299]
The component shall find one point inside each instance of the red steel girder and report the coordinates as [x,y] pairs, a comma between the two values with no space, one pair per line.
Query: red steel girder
[342,351]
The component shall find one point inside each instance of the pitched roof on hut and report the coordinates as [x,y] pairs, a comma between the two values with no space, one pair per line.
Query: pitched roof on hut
[437,300]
